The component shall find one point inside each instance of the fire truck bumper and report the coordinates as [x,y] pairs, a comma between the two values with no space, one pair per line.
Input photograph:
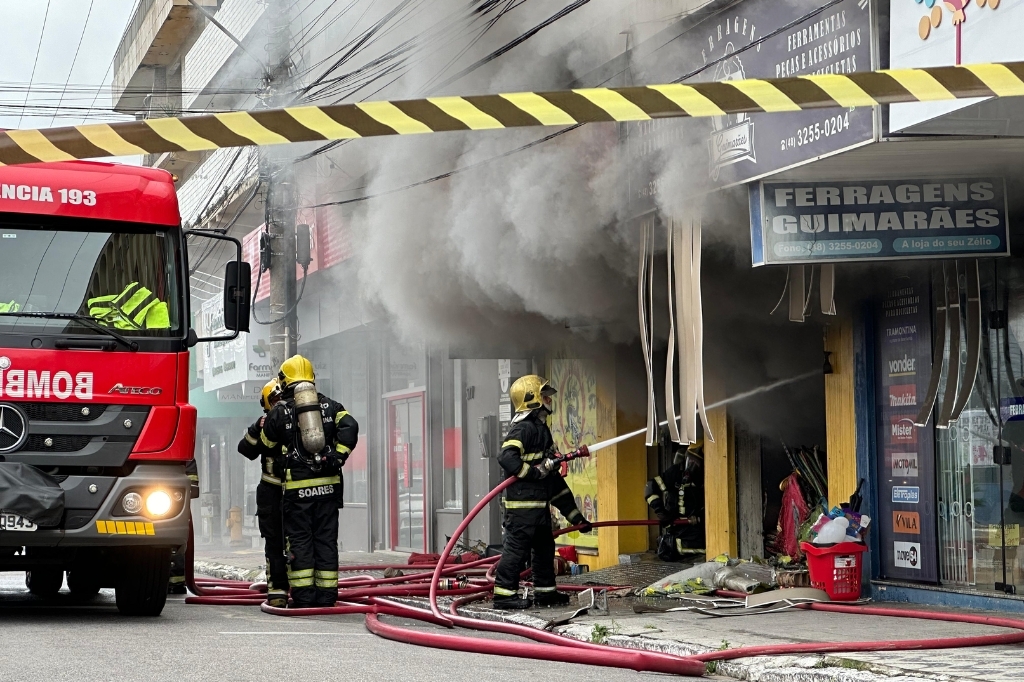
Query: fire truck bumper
[97,512]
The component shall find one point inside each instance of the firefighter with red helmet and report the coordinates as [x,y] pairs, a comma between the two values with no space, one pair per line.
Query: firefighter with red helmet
[528,454]
[315,436]
[268,499]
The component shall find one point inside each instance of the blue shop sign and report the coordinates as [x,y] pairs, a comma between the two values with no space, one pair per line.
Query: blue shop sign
[907,494]
[826,222]
[1012,409]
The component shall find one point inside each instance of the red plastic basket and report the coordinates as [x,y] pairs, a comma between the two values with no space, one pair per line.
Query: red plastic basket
[835,569]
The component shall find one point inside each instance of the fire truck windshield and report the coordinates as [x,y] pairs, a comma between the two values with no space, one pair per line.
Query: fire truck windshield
[124,281]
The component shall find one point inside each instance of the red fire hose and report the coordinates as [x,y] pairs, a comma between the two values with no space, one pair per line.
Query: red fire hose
[370,597]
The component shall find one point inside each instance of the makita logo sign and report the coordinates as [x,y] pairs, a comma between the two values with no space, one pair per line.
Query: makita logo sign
[904,332]
[907,555]
[904,464]
[904,395]
[316,491]
[903,367]
[32,384]
[901,430]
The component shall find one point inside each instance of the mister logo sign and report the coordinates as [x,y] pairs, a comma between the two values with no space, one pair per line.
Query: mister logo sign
[820,222]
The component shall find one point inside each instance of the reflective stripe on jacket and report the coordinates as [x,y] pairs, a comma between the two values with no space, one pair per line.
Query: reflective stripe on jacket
[136,307]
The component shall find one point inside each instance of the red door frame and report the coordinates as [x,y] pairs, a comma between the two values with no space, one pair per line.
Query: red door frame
[393,469]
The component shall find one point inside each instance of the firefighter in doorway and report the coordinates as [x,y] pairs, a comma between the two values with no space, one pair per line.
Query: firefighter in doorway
[268,499]
[316,435]
[678,493]
[528,454]
[176,583]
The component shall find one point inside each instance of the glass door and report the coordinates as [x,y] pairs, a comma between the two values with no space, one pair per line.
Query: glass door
[981,455]
[406,473]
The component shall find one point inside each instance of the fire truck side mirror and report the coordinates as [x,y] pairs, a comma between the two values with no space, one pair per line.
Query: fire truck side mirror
[237,294]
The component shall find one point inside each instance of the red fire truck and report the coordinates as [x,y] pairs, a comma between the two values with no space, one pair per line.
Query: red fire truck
[95,425]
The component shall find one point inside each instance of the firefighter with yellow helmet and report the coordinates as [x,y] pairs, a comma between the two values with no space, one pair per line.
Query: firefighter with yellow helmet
[314,435]
[528,454]
[268,498]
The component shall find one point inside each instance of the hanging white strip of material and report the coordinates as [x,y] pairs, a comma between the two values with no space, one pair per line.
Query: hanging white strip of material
[697,310]
[645,342]
[796,293]
[684,331]
[827,289]
[670,362]
[652,404]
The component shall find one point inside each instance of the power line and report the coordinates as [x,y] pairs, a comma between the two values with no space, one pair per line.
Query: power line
[35,62]
[78,49]
[442,176]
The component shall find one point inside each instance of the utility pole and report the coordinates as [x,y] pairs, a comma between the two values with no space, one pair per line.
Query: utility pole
[279,182]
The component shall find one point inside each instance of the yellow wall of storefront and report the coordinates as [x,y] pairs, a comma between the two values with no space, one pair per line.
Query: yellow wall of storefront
[840,414]
[621,471]
[721,531]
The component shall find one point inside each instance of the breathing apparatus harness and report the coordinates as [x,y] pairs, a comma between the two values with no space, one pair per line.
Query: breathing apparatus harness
[309,442]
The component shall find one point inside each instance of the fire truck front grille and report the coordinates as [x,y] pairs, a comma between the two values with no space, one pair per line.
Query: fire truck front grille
[63,412]
[57,443]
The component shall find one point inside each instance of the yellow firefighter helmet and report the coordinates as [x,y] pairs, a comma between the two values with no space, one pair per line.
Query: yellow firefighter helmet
[296,369]
[271,394]
[527,393]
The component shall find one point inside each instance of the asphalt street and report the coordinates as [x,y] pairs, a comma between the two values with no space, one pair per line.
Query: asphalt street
[64,640]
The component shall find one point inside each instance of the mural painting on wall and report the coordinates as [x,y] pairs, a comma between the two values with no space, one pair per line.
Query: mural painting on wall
[573,423]
[958,10]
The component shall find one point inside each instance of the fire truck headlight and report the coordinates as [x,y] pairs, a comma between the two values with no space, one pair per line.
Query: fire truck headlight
[132,503]
[158,503]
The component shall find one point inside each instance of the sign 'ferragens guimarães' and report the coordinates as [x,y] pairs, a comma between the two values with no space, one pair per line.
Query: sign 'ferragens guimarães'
[820,222]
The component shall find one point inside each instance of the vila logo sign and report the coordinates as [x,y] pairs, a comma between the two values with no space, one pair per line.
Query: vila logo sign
[906,522]
[44,384]
[901,430]
[906,494]
[903,395]
[907,555]
[903,367]
[904,464]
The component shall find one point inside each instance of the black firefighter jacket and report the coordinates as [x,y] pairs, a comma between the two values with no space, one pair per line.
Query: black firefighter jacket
[281,433]
[528,442]
[252,448]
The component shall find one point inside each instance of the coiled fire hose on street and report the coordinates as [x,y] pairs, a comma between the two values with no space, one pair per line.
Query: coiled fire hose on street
[375,597]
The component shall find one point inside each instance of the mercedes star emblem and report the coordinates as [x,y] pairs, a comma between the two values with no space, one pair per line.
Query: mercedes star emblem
[5,362]
[13,428]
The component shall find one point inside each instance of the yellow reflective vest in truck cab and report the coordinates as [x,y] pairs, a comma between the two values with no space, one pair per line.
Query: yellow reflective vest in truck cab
[134,308]
[11,307]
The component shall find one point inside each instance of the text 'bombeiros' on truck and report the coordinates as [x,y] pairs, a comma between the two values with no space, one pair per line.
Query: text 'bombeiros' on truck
[95,425]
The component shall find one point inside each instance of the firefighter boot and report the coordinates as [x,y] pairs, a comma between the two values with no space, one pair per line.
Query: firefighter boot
[277,599]
[513,603]
[551,598]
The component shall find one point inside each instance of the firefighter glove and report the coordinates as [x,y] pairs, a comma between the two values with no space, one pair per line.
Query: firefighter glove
[547,466]
[586,526]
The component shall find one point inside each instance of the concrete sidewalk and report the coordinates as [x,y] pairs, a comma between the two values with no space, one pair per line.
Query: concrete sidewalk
[249,563]
[686,633]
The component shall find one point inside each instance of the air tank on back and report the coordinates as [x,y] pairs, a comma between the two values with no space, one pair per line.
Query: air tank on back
[311,425]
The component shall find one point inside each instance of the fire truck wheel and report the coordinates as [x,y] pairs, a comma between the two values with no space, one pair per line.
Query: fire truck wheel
[141,587]
[44,582]
[83,583]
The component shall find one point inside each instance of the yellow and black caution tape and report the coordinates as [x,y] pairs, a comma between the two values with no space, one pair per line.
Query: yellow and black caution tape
[513,110]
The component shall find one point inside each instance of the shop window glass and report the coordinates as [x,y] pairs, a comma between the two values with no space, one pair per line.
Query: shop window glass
[980,499]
